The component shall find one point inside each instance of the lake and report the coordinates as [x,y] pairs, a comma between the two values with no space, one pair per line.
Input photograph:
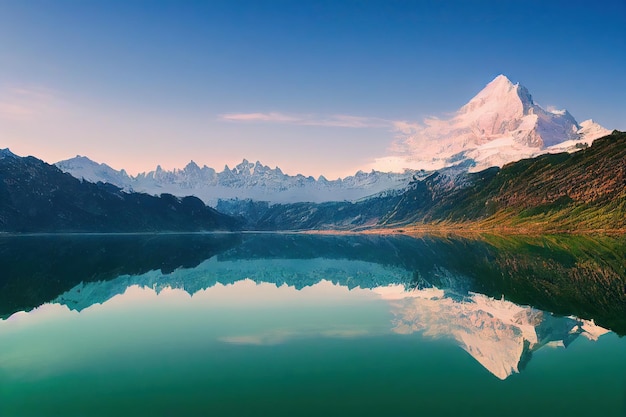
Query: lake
[312,325]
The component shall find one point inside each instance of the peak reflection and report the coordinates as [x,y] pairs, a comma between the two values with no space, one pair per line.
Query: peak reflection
[498,334]
[499,299]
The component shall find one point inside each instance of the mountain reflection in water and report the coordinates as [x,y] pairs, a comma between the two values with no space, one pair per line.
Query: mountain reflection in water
[499,334]
[288,324]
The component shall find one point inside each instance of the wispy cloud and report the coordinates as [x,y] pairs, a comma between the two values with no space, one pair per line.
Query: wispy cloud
[27,103]
[406,137]
[259,117]
[406,128]
[275,337]
[9,110]
[334,120]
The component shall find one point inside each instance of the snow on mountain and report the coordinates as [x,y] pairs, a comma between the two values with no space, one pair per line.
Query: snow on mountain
[500,124]
[84,168]
[247,180]
[591,130]
[588,132]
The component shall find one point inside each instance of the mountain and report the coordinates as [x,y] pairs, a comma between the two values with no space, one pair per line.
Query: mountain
[583,191]
[37,197]
[501,124]
[369,212]
[247,180]
[84,168]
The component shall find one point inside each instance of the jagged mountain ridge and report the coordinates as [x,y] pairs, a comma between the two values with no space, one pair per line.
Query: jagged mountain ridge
[366,213]
[37,197]
[246,180]
[501,124]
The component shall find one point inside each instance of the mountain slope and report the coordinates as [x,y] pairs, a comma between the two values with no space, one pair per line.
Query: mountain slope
[500,124]
[565,192]
[37,197]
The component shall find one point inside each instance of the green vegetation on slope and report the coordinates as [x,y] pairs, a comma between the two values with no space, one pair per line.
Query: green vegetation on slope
[584,191]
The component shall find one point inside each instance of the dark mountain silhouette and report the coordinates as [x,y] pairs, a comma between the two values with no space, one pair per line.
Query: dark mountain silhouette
[37,197]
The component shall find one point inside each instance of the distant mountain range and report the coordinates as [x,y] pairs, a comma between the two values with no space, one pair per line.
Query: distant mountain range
[37,197]
[245,181]
[501,124]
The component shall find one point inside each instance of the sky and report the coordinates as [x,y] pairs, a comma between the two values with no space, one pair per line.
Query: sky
[314,87]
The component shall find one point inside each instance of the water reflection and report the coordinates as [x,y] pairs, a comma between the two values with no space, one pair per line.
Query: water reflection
[499,334]
[499,299]
[37,268]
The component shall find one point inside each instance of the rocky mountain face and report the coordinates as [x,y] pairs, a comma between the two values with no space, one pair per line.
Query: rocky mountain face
[557,192]
[37,197]
[583,190]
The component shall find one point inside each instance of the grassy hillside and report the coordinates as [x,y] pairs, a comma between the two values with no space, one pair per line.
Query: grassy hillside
[580,192]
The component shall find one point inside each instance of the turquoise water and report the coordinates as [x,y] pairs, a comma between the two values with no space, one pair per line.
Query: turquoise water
[216,338]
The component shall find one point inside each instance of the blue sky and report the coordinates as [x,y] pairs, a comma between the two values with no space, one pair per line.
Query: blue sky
[140,83]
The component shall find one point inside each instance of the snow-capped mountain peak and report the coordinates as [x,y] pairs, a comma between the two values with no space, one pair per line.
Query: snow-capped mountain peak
[591,129]
[505,109]
[500,124]
[84,168]
[500,95]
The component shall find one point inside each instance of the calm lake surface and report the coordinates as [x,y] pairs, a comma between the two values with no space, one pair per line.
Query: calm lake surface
[303,325]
